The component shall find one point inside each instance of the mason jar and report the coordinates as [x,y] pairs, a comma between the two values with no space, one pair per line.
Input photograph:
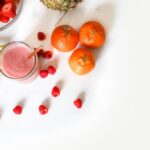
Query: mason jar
[15,63]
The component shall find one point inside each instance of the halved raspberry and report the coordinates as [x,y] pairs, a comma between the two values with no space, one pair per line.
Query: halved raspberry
[47,54]
[55,91]
[17,110]
[78,103]
[43,73]
[51,70]
[41,36]
[43,109]
[4,19]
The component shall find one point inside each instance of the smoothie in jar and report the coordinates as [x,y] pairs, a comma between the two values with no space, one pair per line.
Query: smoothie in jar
[15,61]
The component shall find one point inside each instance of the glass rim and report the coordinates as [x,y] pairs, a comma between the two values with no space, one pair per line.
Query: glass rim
[14,19]
[33,68]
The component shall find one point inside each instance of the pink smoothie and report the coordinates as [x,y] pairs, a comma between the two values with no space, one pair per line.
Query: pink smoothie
[15,61]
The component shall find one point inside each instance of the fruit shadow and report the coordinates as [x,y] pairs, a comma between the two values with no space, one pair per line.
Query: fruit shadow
[45,63]
[47,102]
[82,96]
[22,102]
[55,62]
[60,84]
[1,113]
[104,13]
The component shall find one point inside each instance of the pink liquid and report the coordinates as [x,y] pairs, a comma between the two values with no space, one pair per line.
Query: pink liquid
[15,60]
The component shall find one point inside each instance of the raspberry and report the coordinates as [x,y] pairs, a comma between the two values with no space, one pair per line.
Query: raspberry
[40,52]
[4,19]
[55,91]
[51,70]
[8,10]
[7,7]
[41,36]
[17,110]
[47,54]
[78,103]
[10,14]
[43,73]
[43,109]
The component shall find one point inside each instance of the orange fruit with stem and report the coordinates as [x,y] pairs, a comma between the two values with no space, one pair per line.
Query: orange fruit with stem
[64,38]
[82,61]
[92,34]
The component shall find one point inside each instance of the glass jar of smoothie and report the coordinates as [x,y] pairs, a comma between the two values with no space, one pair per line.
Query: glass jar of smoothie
[15,63]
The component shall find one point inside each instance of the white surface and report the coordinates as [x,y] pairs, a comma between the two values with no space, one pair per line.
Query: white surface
[116,110]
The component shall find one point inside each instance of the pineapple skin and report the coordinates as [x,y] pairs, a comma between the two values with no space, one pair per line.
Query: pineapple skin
[61,5]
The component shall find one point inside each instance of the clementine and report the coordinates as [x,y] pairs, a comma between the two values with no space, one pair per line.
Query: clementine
[92,34]
[82,61]
[64,38]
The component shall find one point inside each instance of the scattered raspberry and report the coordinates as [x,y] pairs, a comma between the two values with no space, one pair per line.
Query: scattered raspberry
[41,36]
[51,70]
[47,54]
[17,110]
[43,73]
[43,109]
[55,91]
[40,52]
[78,103]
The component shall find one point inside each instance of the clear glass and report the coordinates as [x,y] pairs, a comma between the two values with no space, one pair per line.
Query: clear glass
[31,75]
[4,26]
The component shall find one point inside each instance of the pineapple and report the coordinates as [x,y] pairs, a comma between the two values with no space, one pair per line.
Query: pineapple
[61,5]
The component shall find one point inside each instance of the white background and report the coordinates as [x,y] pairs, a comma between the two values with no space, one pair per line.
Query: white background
[116,109]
